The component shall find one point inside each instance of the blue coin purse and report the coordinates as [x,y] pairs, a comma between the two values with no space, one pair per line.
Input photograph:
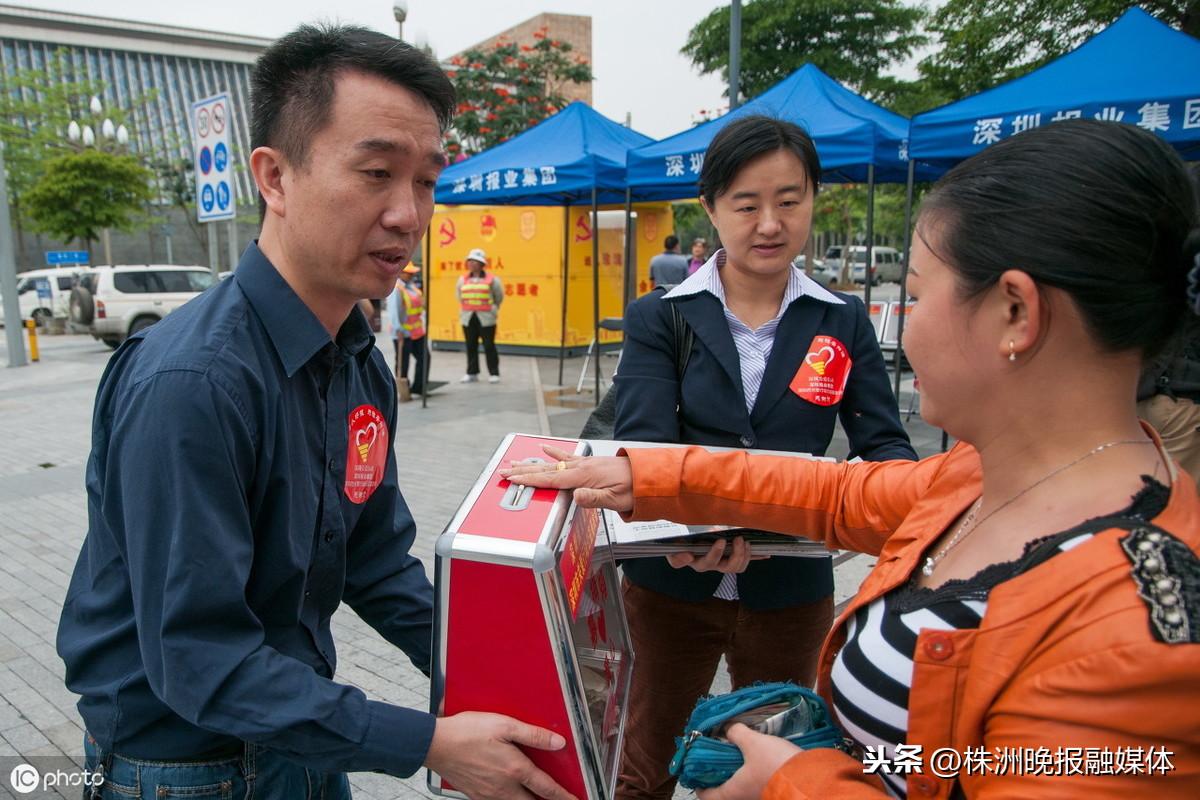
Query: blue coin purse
[704,758]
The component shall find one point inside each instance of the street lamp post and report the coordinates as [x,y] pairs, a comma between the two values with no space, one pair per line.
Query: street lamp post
[400,9]
[735,55]
[84,136]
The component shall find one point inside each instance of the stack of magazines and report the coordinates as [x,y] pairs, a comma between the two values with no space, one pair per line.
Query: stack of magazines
[660,538]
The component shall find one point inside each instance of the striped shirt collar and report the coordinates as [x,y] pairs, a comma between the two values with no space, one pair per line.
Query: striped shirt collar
[708,279]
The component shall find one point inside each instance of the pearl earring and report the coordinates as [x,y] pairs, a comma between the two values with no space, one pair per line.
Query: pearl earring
[1012,352]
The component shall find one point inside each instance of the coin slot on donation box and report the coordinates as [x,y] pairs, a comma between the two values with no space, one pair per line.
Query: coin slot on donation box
[528,621]
[517,497]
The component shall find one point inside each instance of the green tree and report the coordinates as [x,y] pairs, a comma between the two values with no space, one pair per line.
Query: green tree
[78,194]
[176,179]
[690,223]
[986,42]
[508,87]
[853,41]
[36,106]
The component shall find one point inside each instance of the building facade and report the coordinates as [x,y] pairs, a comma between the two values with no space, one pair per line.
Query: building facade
[176,66]
[573,28]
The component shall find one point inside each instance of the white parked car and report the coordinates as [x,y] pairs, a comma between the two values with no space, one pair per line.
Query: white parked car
[116,302]
[45,293]
[821,273]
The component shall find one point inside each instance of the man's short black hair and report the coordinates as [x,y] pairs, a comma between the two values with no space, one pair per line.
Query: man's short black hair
[671,242]
[292,84]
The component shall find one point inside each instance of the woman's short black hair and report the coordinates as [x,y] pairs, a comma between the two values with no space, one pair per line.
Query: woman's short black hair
[1101,210]
[744,140]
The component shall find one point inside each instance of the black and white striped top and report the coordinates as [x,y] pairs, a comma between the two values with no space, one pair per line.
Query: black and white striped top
[872,674]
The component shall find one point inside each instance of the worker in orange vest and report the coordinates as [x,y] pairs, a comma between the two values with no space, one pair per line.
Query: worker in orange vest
[406,312]
[479,296]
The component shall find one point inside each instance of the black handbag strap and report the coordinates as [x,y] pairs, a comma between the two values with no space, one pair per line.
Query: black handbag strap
[683,341]
[600,423]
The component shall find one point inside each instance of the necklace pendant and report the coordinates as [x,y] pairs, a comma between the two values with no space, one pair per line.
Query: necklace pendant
[927,569]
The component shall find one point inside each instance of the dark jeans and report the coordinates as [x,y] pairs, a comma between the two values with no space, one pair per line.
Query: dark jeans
[472,332]
[679,645]
[414,350]
[256,774]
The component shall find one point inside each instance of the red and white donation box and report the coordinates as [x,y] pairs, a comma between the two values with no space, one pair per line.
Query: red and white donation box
[528,621]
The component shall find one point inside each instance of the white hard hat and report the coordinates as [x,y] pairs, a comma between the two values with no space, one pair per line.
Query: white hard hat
[477,255]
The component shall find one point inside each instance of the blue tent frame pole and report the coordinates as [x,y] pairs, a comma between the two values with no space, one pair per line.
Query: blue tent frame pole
[562,345]
[908,199]
[630,271]
[870,265]
[596,289]
[426,287]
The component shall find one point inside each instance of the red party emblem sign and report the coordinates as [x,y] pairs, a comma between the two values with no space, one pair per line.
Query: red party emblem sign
[822,377]
[583,231]
[366,454]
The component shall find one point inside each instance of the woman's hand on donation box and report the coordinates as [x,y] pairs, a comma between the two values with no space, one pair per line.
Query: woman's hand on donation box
[477,754]
[763,756]
[598,481]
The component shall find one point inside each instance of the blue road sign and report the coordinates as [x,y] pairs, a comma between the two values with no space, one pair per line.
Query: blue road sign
[216,193]
[56,257]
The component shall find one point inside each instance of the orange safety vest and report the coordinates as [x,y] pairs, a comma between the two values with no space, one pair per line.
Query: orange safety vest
[476,293]
[414,306]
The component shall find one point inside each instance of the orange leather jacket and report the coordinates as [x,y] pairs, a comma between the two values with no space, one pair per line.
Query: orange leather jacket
[1065,656]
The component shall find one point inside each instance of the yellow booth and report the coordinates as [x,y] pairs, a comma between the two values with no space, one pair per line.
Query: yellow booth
[543,256]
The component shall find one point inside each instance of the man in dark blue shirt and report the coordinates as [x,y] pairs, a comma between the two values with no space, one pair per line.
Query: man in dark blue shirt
[242,481]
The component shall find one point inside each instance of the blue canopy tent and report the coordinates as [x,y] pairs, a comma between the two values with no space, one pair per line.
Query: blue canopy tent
[565,158]
[852,134]
[856,140]
[573,156]
[1137,70]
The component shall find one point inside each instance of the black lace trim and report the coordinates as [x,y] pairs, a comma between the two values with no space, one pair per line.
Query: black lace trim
[1167,574]
[1149,502]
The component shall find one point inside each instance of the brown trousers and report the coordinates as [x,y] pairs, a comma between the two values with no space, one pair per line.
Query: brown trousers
[677,647]
[1178,425]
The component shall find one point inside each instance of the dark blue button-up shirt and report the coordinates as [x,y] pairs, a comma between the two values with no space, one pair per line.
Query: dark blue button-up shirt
[223,536]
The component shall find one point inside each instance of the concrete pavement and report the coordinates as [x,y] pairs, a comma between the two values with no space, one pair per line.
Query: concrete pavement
[45,418]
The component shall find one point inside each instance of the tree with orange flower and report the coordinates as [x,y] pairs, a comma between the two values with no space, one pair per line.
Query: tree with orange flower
[508,87]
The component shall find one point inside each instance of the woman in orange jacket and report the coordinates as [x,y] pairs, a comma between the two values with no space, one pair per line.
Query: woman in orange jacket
[1032,624]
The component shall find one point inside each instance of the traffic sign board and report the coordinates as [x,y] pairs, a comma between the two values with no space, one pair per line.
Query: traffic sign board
[211,127]
[56,257]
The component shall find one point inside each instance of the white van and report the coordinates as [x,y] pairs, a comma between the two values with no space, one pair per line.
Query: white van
[888,263]
[44,294]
